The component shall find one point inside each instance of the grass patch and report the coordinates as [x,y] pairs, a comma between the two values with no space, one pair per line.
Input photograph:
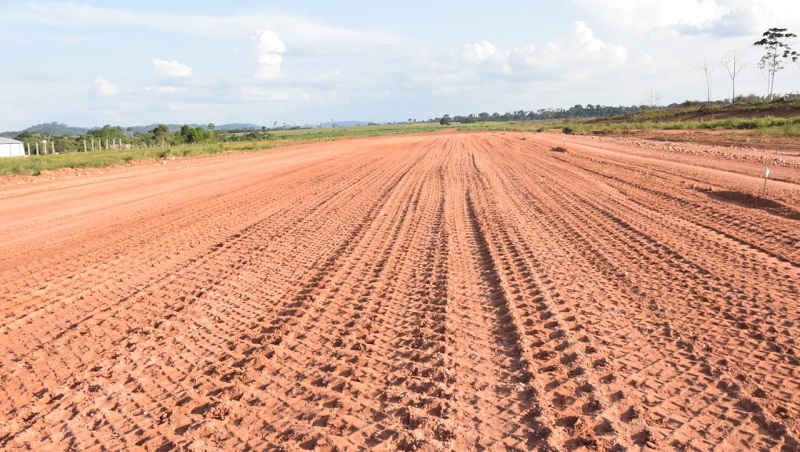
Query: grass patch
[38,163]
[769,125]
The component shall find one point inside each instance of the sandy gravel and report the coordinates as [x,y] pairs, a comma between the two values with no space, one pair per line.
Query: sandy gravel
[430,292]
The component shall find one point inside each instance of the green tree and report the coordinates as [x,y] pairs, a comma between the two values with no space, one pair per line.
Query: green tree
[185,129]
[107,132]
[189,134]
[777,53]
[160,134]
[211,132]
[27,136]
[445,120]
[67,143]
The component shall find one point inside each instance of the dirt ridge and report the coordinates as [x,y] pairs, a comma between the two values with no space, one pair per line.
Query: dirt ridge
[459,291]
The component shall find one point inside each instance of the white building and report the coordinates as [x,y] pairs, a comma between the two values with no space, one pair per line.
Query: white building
[11,148]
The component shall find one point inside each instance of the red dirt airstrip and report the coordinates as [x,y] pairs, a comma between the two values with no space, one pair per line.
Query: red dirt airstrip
[426,292]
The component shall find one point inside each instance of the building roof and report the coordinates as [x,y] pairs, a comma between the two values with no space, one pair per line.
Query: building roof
[4,140]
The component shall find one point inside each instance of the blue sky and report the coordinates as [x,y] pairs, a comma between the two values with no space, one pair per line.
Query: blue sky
[143,62]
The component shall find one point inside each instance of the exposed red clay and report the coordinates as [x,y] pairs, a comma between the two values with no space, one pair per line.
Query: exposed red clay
[427,292]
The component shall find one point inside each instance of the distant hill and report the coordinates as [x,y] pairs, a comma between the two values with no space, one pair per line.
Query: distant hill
[56,128]
[176,127]
[59,129]
[238,126]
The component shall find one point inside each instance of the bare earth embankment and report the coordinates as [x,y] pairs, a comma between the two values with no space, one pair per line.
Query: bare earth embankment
[438,292]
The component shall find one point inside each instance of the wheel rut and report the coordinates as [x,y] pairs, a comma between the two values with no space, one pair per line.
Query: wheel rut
[447,291]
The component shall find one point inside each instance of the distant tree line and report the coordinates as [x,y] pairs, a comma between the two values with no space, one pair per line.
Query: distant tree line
[577,111]
[158,136]
[591,111]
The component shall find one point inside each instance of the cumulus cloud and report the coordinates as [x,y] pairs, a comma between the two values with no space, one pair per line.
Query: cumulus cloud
[479,52]
[105,87]
[581,54]
[487,55]
[269,54]
[172,69]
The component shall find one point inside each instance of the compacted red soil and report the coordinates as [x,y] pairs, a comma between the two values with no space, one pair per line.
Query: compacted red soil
[433,292]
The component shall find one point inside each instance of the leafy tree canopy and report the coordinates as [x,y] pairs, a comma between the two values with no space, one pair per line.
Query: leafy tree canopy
[777,52]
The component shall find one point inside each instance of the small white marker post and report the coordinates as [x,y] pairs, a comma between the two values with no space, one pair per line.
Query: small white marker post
[766,176]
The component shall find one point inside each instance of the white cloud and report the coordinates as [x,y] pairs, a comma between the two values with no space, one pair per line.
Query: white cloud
[172,69]
[748,19]
[269,50]
[581,55]
[486,54]
[275,95]
[304,34]
[314,65]
[646,15]
[334,76]
[590,49]
[715,17]
[105,87]
[444,79]
[166,89]
[479,52]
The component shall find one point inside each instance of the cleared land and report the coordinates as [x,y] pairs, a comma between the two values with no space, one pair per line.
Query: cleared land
[446,291]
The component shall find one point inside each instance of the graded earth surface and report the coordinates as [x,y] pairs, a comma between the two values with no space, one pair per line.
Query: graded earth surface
[444,291]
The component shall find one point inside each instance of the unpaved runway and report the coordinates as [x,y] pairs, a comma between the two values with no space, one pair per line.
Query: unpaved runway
[428,292]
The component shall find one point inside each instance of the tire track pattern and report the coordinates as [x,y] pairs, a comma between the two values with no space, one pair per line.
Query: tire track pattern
[442,292]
